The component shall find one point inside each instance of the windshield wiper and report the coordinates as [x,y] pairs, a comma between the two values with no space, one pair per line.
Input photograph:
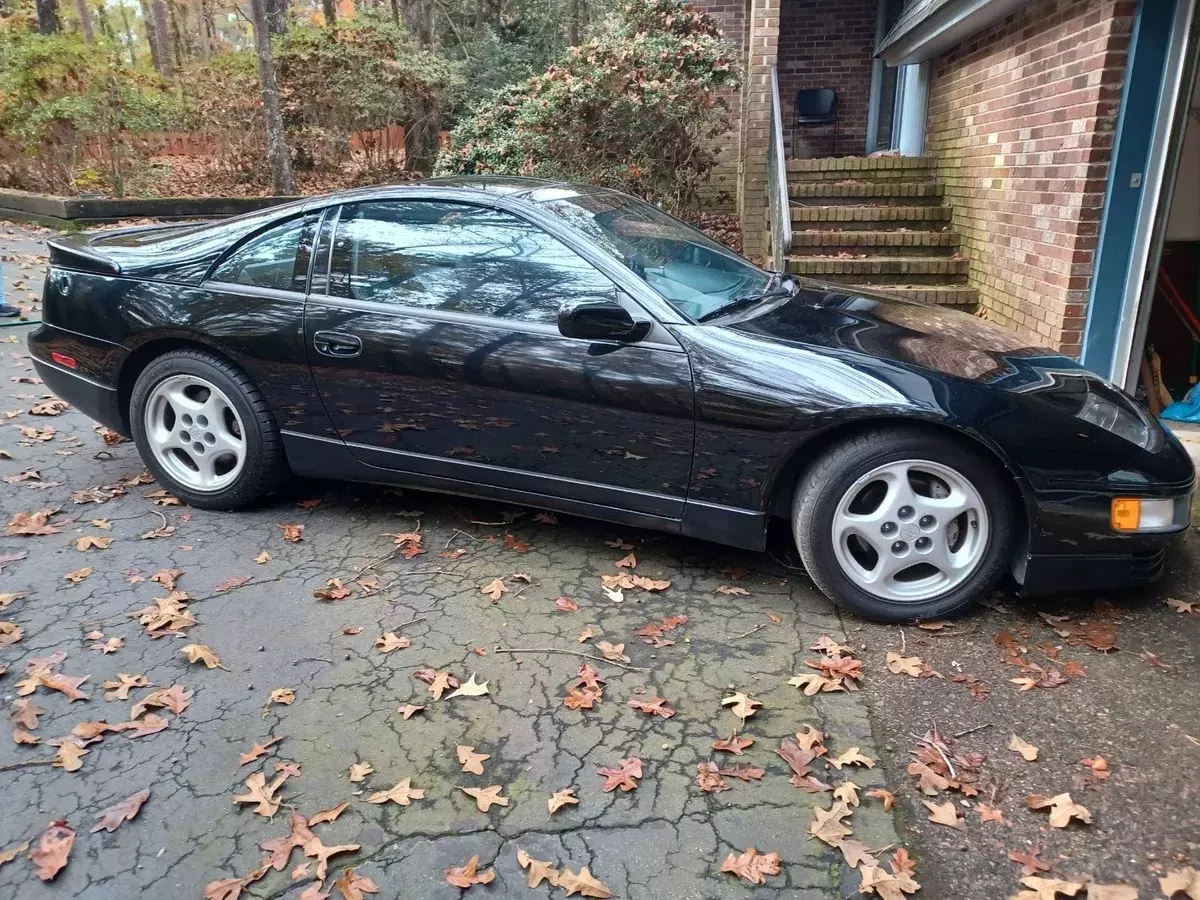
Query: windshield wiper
[742,302]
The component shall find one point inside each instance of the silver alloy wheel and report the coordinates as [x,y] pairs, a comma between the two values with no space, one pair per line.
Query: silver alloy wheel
[910,530]
[195,433]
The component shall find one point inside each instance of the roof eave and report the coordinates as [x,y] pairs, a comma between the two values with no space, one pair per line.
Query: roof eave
[943,26]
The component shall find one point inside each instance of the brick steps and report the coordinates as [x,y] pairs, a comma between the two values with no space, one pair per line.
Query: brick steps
[879,169]
[886,216]
[883,269]
[833,193]
[898,242]
[943,295]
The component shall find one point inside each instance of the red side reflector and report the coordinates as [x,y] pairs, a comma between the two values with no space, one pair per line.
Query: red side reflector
[63,360]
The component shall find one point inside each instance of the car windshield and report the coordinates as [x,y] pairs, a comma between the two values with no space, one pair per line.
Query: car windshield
[693,272]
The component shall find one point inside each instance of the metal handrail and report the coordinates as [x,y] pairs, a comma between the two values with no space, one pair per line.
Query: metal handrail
[778,206]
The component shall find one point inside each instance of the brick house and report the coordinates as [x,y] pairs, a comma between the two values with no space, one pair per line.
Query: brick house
[1032,158]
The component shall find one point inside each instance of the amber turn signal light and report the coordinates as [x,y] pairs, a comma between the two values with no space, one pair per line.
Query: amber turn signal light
[1126,514]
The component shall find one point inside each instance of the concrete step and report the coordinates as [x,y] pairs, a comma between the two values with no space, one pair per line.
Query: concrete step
[853,191]
[862,168]
[884,269]
[827,218]
[865,243]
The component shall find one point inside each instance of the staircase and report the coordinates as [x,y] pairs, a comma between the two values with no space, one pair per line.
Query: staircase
[877,223]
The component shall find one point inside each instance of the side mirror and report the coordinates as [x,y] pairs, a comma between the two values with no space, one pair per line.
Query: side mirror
[600,320]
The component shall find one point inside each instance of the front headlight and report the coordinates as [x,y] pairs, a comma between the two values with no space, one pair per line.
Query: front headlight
[1119,420]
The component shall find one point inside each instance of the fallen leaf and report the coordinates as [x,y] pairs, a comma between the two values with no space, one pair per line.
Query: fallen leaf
[8,854]
[990,814]
[1181,881]
[91,541]
[1026,749]
[751,865]
[494,589]
[827,824]
[733,744]
[733,590]
[333,591]
[559,799]
[119,690]
[263,557]
[856,853]
[257,751]
[847,792]
[487,797]
[851,757]
[470,760]
[627,562]
[888,798]
[151,724]
[282,696]
[176,698]
[202,653]
[584,884]
[536,870]
[1046,888]
[1029,860]
[34,524]
[327,815]
[360,771]
[259,792]
[586,635]
[566,604]
[230,584]
[741,705]
[1099,766]
[624,775]
[112,817]
[656,706]
[352,629]
[708,778]
[945,814]
[904,665]
[409,711]
[53,850]
[391,641]
[78,575]
[353,886]
[1062,809]
[292,532]
[612,652]
[465,876]
[402,793]
[471,688]
[65,685]
[69,756]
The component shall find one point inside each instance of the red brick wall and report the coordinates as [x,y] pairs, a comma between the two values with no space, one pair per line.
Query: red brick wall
[720,193]
[1021,119]
[828,44]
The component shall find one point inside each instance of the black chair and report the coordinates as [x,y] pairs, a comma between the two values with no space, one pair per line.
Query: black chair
[815,107]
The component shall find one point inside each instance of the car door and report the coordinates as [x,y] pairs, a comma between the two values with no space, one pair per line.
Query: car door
[436,351]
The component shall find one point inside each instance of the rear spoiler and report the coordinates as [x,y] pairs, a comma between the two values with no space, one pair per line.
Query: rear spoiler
[77,253]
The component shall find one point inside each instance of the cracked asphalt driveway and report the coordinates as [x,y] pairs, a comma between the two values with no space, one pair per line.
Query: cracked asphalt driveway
[666,839]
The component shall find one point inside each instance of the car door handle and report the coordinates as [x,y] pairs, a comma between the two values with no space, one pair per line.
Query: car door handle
[331,343]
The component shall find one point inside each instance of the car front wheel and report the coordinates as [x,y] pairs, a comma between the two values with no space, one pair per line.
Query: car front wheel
[205,431]
[901,524]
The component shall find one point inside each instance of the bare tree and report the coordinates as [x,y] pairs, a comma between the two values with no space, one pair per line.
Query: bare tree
[277,16]
[329,8]
[277,148]
[130,41]
[47,16]
[158,11]
[85,21]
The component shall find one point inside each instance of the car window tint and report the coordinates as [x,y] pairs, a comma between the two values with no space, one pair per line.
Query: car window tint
[269,260]
[457,258]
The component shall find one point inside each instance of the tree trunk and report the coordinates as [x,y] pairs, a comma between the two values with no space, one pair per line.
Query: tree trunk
[418,18]
[130,42]
[277,148]
[47,16]
[177,35]
[158,10]
[573,23]
[396,11]
[206,31]
[421,137]
[277,16]
[329,8]
[151,34]
[85,21]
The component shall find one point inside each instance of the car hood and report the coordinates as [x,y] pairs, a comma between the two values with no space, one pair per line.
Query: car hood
[935,338]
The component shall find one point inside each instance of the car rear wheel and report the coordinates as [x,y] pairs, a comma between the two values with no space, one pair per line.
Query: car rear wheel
[900,524]
[205,431]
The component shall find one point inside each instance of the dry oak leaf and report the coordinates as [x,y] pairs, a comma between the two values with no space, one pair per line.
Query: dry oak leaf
[856,853]
[733,744]
[112,645]
[402,794]
[734,591]
[1062,809]
[390,641]
[32,524]
[586,635]
[1181,881]
[119,689]
[656,706]
[257,751]
[945,814]
[612,652]
[259,792]
[708,778]
[566,604]
[353,886]
[851,757]
[751,865]
[470,760]
[809,737]
[90,541]
[537,870]
[110,819]
[10,633]
[743,773]
[512,542]
[1046,888]
[989,813]
[293,533]
[360,771]
[176,698]
[465,876]
[584,884]
[847,792]
[1181,606]
[559,799]
[263,557]
[624,775]
[328,815]
[494,589]
[53,849]
[1099,766]
[471,688]
[888,798]
[741,705]
[21,736]
[151,724]
[283,696]
[486,798]
[888,885]
[202,653]
[78,575]
[627,562]
[334,590]
[64,684]
[8,854]
[827,824]
[1029,860]
[230,584]
[930,781]
[904,665]
[409,710]
[69,756]
[1018,745]
[814,684]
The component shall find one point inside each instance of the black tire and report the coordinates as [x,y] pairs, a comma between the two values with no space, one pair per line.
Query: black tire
[265,466]
[832,475]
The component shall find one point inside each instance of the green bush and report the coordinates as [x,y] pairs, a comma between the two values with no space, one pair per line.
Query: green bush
[637,107]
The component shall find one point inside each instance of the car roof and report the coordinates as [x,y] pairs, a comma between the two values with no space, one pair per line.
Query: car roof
[534,190]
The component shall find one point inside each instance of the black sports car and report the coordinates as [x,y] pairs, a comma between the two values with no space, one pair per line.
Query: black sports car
[573,348]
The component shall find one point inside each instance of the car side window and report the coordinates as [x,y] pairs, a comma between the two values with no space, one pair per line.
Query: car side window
[277,258]
[457,258]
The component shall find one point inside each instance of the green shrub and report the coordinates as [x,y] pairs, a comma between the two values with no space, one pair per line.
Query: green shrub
[637,108]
